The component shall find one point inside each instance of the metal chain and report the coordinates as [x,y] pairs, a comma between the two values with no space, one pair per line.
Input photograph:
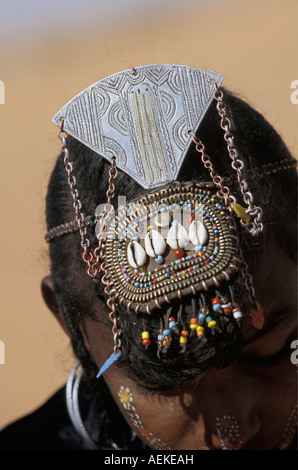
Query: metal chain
[68,164]
[94,259]
[254,226]
[99,253]
[110,194]
[223,191]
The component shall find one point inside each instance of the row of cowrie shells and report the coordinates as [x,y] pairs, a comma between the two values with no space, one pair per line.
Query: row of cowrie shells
[155,244]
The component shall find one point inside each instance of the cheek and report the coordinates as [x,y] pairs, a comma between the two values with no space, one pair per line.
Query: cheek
[130,409]
[160,422]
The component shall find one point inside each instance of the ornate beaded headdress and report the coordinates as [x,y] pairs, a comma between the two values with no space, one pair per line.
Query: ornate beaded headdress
[177,240]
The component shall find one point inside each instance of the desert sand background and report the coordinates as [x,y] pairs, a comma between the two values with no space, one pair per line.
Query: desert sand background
[49,52]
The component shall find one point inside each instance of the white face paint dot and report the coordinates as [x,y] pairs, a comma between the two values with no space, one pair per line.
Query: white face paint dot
[228,432]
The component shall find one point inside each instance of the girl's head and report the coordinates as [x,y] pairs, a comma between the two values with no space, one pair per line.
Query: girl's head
[215,378]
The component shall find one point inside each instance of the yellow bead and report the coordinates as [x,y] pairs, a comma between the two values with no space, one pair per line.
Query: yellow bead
[145,334]
[193,326]
[183,339]
[241,212]
[150,227]
[200,328]
[211,323]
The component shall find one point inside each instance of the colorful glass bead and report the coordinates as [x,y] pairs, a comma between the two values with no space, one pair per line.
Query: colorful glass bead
[226,305]
[200,331]
[193,323]
[179,253]
[183,340]
[216,304]
[237,314]
[160,337]
[167,336]
[173,325]
[145,338]
[184,336]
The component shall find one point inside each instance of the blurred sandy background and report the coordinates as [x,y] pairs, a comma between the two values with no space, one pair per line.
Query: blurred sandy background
[50,51]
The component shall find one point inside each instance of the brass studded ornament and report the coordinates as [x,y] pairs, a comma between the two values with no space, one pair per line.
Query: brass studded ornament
[176,242]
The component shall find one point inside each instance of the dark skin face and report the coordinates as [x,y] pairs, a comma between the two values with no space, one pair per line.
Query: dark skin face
[248,405]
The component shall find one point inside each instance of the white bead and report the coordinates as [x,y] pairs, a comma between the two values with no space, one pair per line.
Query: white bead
[177,236]
[154,243]
[237,314]
[198,234]
[136,254]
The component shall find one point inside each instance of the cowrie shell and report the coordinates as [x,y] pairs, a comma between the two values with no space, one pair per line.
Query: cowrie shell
[154,243]
[198,234]
[177,236]
[136,254]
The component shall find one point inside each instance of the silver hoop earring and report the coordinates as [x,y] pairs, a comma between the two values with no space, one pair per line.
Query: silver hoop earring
[72,402]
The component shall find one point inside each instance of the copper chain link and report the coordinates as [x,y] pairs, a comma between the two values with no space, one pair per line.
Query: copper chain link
[255,226]
[95,260]
[223,192]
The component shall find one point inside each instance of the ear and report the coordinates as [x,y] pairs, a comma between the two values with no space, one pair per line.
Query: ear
[49,296]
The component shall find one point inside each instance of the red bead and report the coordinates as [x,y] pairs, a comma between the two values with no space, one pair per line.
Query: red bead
[172,319]
[154,281]
[191,219]
[215,301]
[146,341]
[179,253]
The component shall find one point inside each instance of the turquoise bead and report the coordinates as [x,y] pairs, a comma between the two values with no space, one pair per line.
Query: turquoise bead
[216,307]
